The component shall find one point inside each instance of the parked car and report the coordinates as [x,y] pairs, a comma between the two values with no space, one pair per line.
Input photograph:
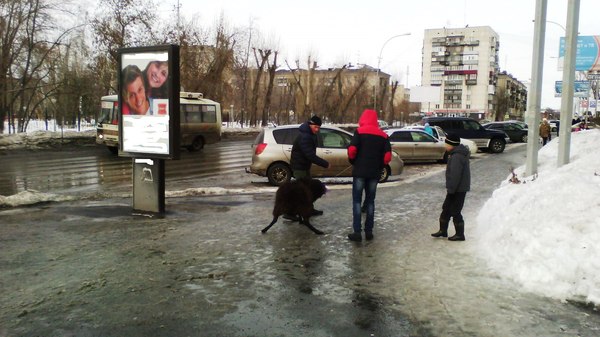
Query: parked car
[554,125]
[515,132]
[416,145]
[520,123]
[464,127]
[272,150]
[382,124]
[440,135]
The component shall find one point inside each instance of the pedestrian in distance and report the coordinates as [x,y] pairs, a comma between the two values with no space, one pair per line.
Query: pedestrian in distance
[545,131]
[458,183]
[369,152]
[428,129]
[304,154]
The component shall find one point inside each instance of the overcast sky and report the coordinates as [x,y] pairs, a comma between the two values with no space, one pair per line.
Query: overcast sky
[336,31]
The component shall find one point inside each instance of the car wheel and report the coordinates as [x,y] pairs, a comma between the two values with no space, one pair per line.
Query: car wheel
[196,145]
[497,145]
[279,173]
[385,174]
[524,138]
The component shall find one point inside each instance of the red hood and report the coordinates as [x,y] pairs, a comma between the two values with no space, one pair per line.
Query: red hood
[368,124]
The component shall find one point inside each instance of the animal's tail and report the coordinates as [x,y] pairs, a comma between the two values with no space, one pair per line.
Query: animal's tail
[264,230]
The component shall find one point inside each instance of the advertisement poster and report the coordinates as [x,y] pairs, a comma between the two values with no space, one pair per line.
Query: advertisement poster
[587,55]
[145,102]
[581,89]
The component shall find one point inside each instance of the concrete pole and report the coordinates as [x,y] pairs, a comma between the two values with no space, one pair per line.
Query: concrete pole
[534,96]
[568,87]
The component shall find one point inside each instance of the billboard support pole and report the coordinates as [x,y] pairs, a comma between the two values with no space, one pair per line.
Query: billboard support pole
[566,101]
[533,99]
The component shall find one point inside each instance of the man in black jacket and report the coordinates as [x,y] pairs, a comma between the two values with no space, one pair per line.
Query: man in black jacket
[304,150]
[304,154]
[458,183]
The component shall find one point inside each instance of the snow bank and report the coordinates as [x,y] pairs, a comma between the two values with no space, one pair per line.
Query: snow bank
[544,232]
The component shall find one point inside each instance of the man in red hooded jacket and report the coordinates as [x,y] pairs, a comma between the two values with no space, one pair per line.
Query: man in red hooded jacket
[369,152]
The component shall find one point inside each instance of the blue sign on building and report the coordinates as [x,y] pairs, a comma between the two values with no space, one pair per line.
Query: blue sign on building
[582,89]
[587,55]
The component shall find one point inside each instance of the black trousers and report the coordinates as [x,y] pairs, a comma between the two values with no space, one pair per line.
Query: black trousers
[453,205]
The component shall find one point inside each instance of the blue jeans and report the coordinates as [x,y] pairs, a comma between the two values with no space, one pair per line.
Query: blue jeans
[369,185]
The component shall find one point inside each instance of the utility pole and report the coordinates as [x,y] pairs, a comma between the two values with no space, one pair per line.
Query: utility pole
[566,101]
[533,100]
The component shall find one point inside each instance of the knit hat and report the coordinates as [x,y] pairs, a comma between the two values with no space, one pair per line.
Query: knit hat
[315,120]
[452,139]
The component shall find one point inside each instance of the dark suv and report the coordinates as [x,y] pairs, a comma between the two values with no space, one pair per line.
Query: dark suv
[491,140]
[515,132]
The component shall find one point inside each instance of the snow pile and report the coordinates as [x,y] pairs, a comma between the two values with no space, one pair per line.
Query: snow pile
[44,139]
[191,192]
[544,233]
[31,197]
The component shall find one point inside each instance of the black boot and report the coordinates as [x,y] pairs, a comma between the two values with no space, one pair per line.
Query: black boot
[443,232]
[460,231]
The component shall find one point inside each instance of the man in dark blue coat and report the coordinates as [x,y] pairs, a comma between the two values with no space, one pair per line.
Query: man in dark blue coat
[304,150]
[458,183]
[304,154]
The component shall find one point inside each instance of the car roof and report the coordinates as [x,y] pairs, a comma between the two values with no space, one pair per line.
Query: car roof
[295,126]
[445,118]
[392,130]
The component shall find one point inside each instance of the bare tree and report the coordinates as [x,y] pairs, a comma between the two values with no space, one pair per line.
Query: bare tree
[30,38]
[347,96]
[260,64]
[268,95]
[304,83]
[391,113]
[502,103]
[119,24]
[214,82]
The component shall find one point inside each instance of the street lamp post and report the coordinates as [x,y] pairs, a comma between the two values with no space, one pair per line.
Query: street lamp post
[378,65]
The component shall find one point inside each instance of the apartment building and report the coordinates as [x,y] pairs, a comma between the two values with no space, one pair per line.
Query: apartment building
[511,98]
[463,62]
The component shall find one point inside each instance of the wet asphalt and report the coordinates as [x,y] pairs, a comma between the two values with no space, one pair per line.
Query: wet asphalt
[92,268]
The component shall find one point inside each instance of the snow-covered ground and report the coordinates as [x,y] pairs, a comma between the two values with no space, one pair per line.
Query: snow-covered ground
[544,232]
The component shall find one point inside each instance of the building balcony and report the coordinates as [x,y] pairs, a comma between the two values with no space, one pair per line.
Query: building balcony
[460,72]
[453,82]
[472,43]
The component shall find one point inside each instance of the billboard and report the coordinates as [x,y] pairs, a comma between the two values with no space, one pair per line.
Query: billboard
[148,78]
[582,89]
[587,54]
[424,94]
